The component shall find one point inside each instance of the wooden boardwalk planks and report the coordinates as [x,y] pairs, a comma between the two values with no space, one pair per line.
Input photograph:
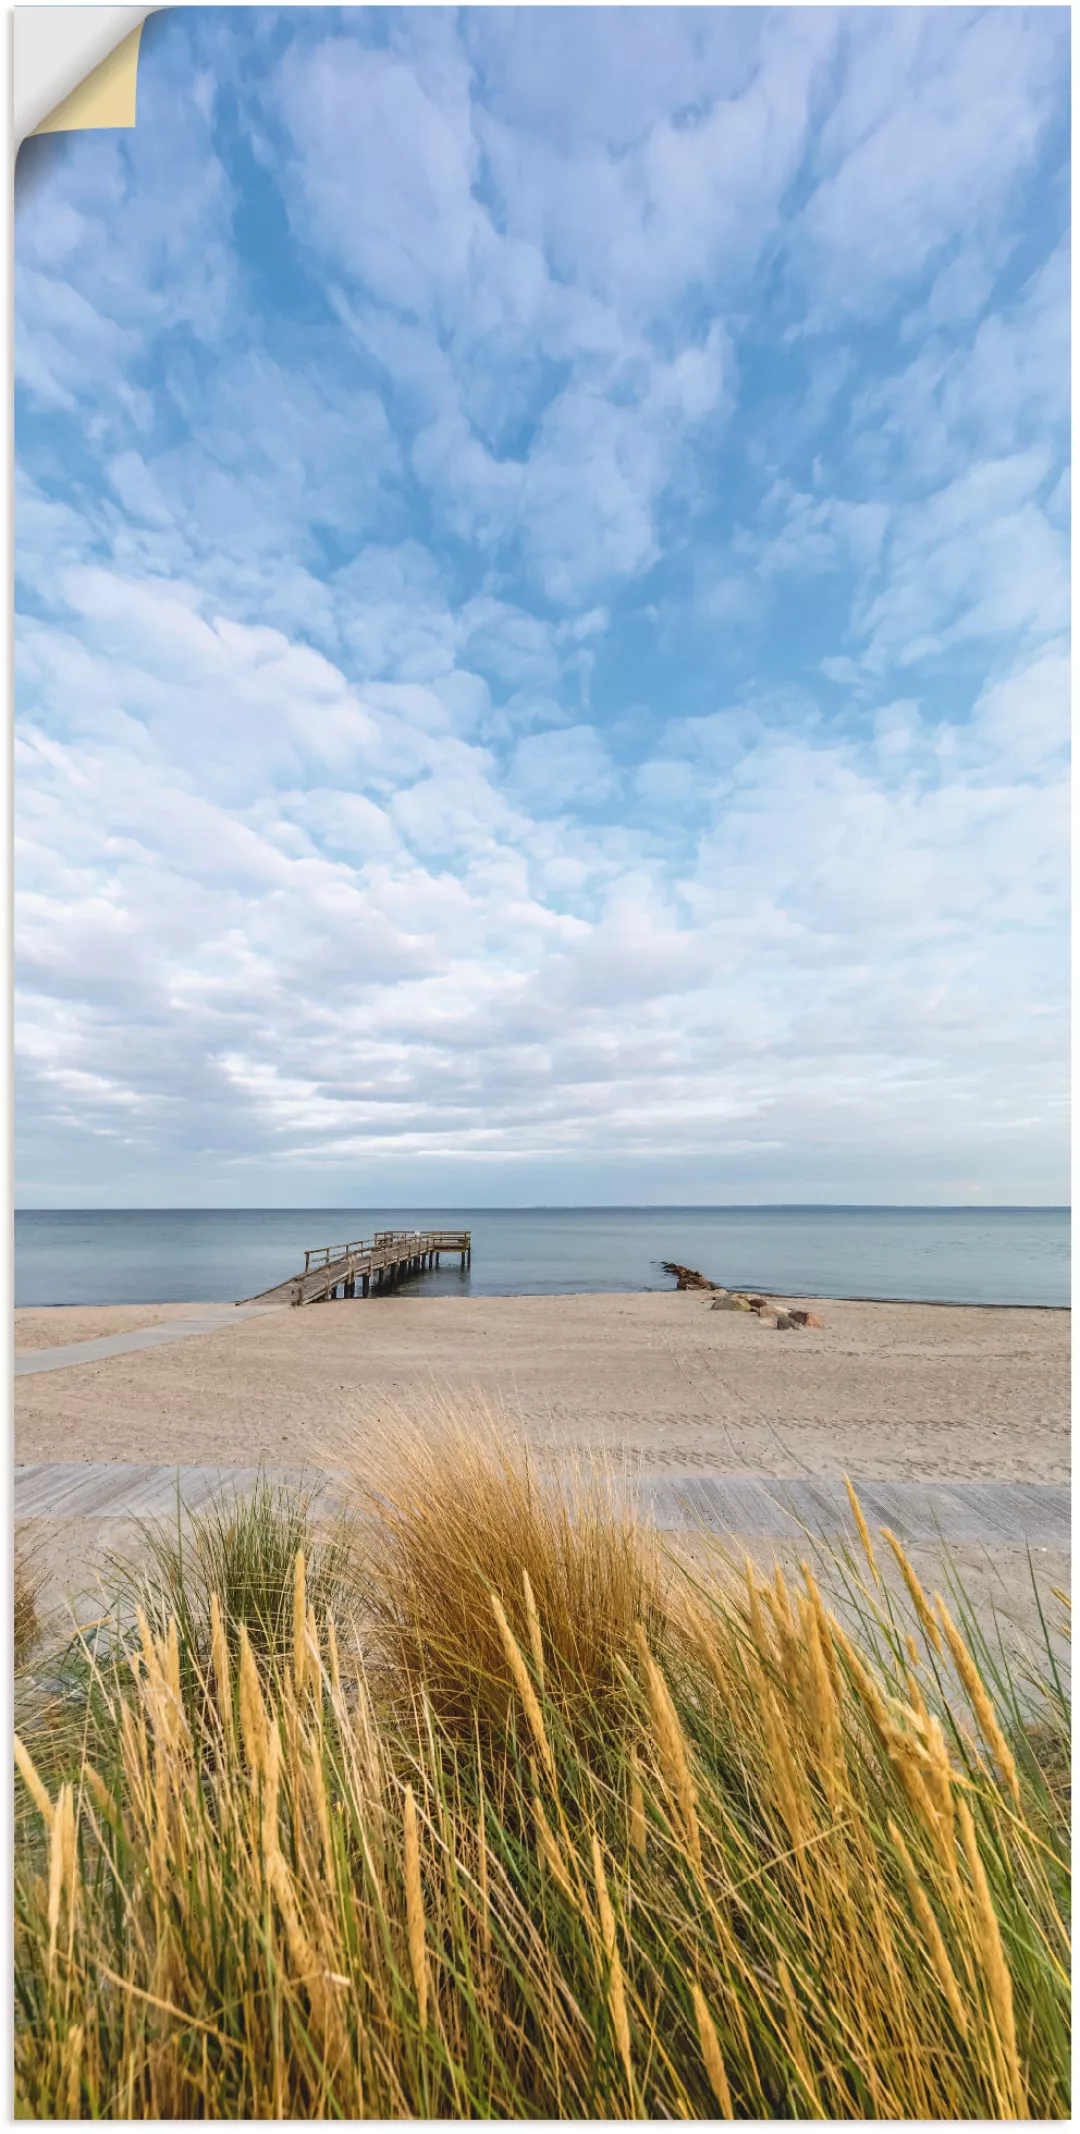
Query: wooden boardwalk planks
[390,1257]
[1005,1513]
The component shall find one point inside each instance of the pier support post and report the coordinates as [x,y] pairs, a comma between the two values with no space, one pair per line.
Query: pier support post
[366,1284]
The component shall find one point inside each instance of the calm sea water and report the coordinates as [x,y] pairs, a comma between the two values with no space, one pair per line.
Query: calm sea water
[940,1255]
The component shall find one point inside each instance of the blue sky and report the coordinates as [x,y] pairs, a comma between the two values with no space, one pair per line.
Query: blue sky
[543,591]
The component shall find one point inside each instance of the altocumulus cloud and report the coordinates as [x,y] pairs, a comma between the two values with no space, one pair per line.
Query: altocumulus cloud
[542,606]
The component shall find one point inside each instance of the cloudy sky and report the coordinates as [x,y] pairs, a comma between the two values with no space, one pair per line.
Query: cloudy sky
[542,545]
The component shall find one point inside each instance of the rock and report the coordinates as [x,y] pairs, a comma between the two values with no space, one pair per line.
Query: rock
[766,1319]
[759,1304]
[733,1303]
[687,1277]
[813,1320]
[784,1321]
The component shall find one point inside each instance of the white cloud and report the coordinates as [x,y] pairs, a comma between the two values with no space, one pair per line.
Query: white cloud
[567,768]
[356,822]
[338,952]
[941,113]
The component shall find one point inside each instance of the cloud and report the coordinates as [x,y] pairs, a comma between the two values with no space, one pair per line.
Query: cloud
[570,767]
[940,118]
[541,545]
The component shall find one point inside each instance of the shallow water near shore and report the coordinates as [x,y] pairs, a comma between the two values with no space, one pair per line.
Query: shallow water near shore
[932,1255]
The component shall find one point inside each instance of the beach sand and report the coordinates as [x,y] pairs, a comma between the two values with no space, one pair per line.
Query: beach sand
[889,1392]
[894,1391]
[52,1326]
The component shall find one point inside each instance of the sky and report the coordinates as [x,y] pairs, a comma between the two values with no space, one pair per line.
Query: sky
[542,613]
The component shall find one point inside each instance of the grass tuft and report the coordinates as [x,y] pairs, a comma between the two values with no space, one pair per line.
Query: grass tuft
[242,1549]
[474,1561]
[741,1860]
[29,1583]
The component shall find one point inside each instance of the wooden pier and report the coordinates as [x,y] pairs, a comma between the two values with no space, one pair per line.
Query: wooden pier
[367,1265]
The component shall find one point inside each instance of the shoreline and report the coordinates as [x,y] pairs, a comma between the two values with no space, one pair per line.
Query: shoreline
[415,1292]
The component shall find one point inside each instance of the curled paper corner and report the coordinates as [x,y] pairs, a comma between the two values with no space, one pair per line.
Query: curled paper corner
[106,97]
[75,67]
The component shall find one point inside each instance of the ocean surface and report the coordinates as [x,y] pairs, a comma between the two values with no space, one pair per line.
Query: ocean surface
[937,1255]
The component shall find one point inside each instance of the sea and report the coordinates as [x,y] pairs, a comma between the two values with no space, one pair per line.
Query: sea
[189,1255]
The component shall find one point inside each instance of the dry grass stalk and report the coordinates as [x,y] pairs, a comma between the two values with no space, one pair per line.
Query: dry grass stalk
[253,1723]
[981,1705]
[711,2053]
[532,1618]
[219,1661]
[61,1864]
[995,1968]
[671,1746]
[552,1855]
[300,1655]
[638,1828]
[616,1991]
[524,1687]
[821,1703]
[864,1531]
[939,1956]
[34,1783]
[919,1600]
[26,1623]
[414,1907]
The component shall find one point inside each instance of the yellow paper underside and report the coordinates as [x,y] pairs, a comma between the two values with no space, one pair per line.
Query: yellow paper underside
[105,98]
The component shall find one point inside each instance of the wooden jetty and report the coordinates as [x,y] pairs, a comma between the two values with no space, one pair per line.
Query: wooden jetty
[368,1264]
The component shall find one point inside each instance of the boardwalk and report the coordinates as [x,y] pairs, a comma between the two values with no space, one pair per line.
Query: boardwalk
[1005,1514]
[143,1337]
[381,1262]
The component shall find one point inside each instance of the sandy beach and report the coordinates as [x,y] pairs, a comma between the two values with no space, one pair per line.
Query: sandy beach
[659,1382]
[896,1391]
[53,1326]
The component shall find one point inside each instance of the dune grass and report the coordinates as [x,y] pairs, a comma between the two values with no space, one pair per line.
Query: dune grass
[544,1833]
[27,1609]
[241,1548]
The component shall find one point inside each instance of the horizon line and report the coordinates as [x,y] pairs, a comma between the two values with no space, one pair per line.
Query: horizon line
[740,1207]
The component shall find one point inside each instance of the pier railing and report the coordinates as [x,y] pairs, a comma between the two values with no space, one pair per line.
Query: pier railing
[421,1240]
[367,1265]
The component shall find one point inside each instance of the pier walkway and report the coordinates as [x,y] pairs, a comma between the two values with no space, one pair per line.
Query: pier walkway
[381,1262]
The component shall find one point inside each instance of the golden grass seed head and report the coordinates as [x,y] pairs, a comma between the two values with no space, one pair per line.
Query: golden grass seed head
[533,1619]
[711,2053]
[299,1624]
[615,1987]
[414,1908]
[864,1531]
[525,1690]
[979,1700]
[918,1597]
[671,1747]
[33,1782]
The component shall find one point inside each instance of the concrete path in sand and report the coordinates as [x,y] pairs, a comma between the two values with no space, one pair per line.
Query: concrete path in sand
[1009,1514]
[145,1337]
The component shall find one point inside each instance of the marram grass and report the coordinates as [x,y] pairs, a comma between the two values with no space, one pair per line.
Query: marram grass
[728,1859]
